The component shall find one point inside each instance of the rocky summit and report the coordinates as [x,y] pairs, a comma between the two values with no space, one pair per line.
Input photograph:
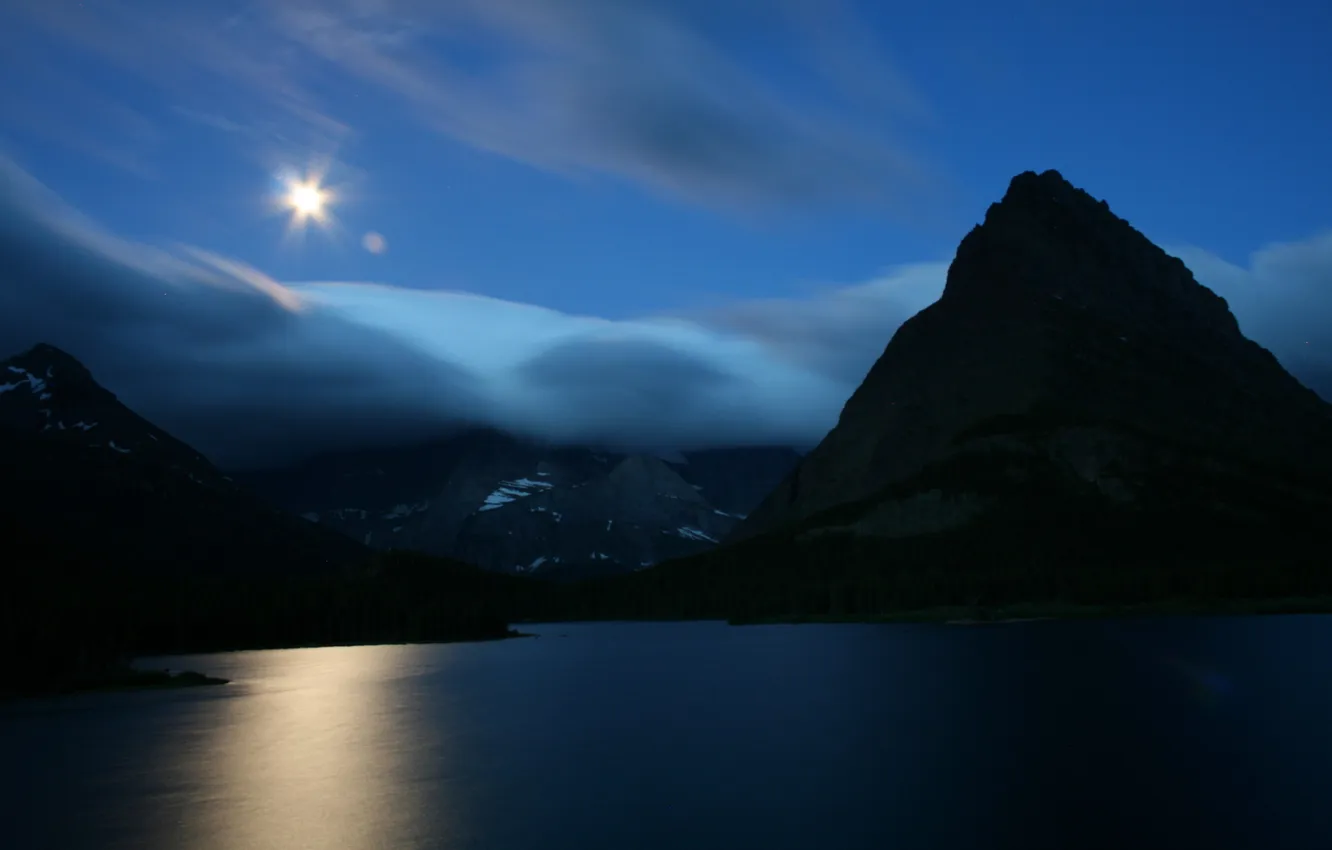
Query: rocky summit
[1069,362]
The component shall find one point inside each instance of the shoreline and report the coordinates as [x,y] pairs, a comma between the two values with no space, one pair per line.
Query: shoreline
[480,639]
[115,680]
[1050,612]
[138,676]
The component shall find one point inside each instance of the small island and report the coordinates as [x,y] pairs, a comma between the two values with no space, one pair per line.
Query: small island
[109,678]
[129,677]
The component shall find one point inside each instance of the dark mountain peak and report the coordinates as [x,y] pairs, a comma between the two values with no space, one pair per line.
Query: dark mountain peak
[1057,315]
[44,368]
[651,477]
[1048,195]
[1048,183]
[89,484]
[45,355]
[48,394]
[1048,238]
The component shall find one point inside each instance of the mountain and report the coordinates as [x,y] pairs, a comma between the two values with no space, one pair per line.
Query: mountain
[46,392]
[516,506]
[1074,396]
[119,539]
[86,478]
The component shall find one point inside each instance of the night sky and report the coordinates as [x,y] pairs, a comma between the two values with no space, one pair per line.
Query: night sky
[638,222]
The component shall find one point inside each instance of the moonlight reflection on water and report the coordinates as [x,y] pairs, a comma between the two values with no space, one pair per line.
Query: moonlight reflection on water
[656,736]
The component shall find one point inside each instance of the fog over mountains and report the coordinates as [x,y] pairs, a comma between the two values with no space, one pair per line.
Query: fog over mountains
[77,456]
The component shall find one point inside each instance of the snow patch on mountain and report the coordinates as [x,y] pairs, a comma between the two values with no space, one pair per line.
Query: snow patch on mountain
[402,511]
[511,491]
[536,562]
[695,534]
[35,384]
[348,513]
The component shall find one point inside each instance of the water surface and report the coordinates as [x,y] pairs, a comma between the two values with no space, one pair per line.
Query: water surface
[1196,733]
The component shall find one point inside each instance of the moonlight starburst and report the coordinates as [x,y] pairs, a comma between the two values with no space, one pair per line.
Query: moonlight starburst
[307,200]
[309,196]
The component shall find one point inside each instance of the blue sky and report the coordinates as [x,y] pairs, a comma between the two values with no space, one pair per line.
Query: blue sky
[748,165]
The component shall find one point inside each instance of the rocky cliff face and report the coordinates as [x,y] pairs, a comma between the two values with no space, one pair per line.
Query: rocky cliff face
[1065,344]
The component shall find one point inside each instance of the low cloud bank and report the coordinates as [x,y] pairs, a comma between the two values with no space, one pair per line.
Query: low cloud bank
[252,370]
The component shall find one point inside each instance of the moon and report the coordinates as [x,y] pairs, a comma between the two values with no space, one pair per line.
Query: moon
[307,201]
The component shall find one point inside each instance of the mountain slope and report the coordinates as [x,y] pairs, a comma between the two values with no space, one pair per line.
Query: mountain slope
[1074,394]
[117,539]
[46,392]
[87,479]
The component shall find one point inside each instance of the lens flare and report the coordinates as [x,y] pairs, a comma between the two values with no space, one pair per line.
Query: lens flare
[374,242]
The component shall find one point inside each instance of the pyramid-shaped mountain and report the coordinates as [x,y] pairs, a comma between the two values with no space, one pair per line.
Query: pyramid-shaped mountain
[1072,375]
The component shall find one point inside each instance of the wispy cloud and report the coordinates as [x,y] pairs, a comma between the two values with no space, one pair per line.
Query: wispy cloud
[218,122]
[44,98]
[645,91]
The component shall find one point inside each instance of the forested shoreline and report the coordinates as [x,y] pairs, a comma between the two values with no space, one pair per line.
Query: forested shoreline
[62,620]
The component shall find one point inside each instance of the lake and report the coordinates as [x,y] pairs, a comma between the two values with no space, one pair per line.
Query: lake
[1172,732]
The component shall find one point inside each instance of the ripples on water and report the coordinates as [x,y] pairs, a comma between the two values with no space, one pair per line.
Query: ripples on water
[1214,732]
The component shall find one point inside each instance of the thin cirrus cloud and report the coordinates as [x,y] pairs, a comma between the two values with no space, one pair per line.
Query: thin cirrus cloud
[643,91]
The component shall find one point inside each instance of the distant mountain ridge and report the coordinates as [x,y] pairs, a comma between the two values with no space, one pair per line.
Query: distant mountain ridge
[517,506]
[482,496]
